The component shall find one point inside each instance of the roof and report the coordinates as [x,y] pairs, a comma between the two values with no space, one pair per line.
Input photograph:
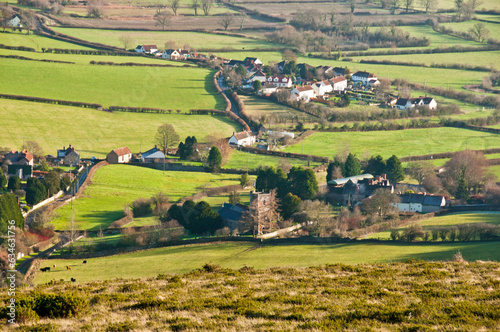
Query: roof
[154,153]
[339,70]
[354,179]
[235,62]
[16,156]
[281,78]
[231,212]
[427,100]
[363,74]
[268,85]
[304,88]
[169,51]
[422,199]
[338,79]
[242,135]
[148,48]
[122,151]
[402,101]
[259,73]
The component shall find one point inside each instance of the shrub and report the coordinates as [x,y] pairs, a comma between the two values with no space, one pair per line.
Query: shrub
[54,305]
[141,207]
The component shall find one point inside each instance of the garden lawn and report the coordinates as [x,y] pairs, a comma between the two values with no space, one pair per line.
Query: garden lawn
[401,143]
[196,40]
[454,219]
[249,161]
[167,88]
[96,133]
[36,42]
[181,259]
[116,186]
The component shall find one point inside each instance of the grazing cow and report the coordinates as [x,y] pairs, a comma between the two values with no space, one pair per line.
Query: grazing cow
[84,262]
[68,267]
[45,269]
[73,279]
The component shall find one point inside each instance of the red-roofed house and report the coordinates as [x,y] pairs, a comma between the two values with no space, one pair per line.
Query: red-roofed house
[20,157]
[119,156]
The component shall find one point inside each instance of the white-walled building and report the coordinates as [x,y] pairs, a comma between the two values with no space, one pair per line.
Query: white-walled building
[302,92]
[244,138]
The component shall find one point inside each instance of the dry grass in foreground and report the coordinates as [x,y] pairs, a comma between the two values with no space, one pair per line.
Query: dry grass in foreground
[411,296]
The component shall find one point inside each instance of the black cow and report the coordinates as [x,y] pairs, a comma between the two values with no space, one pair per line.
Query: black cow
[73,279]
[84,262]
[45,269]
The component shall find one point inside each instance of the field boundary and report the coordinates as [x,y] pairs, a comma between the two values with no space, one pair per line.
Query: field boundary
[445,155]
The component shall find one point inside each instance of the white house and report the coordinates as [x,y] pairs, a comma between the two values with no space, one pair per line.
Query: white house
[244,138]
[302,92]
[268,88]
[15,22]
[403,104]
[321,88]
[422,203]
[424,101]
[339,83]
[251,61]
[280,81]
[170,54]
[258,76]
[148,49]
[363,77]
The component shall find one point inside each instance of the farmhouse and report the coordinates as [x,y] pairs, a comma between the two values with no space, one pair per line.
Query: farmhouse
[422,203]
[171,54]
[148,49]
[244,138]
[119,156]
[14,22]
[363,77]
[68,156]
[321,88]
[356,188]
[21,163]
[268,88]
[154,155]
[280,81]
[424,101]
[403,104]
[302,92]
[251,61]
[339,83]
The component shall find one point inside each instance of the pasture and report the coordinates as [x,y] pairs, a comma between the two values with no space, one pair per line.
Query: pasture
[116,186]
[493,28]
[96,133]
[259,108]
[35,41]
[196,40]
[182,259]
[249,161]
[401,143]
[450,220]
[168,88]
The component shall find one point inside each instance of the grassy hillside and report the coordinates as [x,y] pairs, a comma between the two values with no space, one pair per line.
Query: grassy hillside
[454,219]
[401,143]
[168,88]
[244,160]
[115,186]
[177,260]
[93,132]
[35,41]
[196,40]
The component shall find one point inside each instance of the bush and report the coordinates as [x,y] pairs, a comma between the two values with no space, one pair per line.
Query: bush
[53,305]
[141,207]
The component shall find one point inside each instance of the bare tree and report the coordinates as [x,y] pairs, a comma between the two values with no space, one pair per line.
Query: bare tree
[408,4]
[166,137]
[467,164]
[195,4]
[479,32]
[206,5]
[34,148]
[393,6]
[158,6]
[429,4]
[28,19]
[174,6]
[225,20]
[381,202]
[95,8]
[126,40]
[242,18]
[222,144]
[318,216]
[162,19]
[420,170]
[5,16]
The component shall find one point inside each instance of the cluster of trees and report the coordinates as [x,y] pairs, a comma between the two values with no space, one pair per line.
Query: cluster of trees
[376,165]
[197,218]
[189,149]
[464,232]
[9,210]
[38,190]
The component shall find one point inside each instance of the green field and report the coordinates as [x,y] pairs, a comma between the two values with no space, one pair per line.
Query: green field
[493,28]
[454,219]
[36,42]
[168,88]
[195,40]
[257,108]
[177,260]
[401,143]
[93,132]
[495,170]
[115,186]
[245,160]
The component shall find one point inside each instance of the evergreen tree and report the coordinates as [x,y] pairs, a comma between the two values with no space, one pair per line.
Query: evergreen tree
[331,170]
[289,205]
[352,166]
[394,169]
[52,182]
[257,85]
[302,183]
[35,191]
[189,149]
[3,180]
[462,191]
[9,210]
[244,179]
[376,165]
[270,178]
[214,160]
[14,183]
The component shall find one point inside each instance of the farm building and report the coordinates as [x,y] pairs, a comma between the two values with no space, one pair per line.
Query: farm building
[339,83]
[154,155]
[14,22]
[119,156]
[356,188]
[244,138]
[422,203]
[148,49]
[68,156]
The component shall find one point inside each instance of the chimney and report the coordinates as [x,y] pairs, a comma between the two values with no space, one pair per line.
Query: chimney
[64,147]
